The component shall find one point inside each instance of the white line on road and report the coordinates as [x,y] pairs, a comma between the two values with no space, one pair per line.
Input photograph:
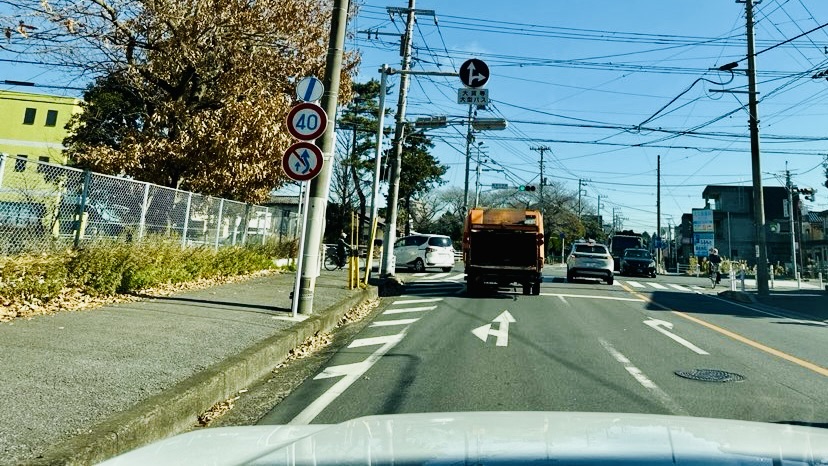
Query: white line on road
[417,301]
[645,381]
[635,284]
[563,299]
[657,324]
[459,276]
[696,287]
[375,340]
[678,287]
[438,276]
[351,374]
[611,298]
[420,274]
[391,323]
[409,309]
[657,286]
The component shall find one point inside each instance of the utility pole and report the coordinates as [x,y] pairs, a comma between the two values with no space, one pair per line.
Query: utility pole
[658,212]
[581,183]
[758,194]
[396,160]
[469,139]
[320,186]
[790,188]
[477,178]
[541,150]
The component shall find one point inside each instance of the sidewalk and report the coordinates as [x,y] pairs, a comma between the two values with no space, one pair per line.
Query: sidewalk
[82,386]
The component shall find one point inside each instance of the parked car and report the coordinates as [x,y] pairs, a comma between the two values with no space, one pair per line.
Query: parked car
[101,220]
[590,259]
[21,225]
[422,251]
[637,262]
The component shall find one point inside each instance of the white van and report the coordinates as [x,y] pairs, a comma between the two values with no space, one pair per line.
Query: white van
[419,252]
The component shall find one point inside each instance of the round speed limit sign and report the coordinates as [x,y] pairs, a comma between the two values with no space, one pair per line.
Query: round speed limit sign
[307,121]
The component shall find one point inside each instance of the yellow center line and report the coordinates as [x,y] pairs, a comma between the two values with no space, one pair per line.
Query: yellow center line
[728,333]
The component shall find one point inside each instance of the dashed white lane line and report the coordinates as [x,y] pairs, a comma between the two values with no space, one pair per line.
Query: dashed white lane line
[373,341]
[416,301]
[635,284]
[391,323]
[409,309]
[657,286]
[610,298]
[645,381]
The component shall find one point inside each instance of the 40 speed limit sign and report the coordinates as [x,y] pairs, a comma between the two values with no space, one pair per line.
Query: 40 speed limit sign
[307,121]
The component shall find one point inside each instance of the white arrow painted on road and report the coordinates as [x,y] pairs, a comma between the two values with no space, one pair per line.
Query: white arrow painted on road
[657,324]
[502,331]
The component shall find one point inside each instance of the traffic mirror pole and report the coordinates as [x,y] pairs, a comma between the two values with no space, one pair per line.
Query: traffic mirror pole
[317,195]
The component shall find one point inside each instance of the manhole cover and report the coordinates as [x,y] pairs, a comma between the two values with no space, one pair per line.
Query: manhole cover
[710,375]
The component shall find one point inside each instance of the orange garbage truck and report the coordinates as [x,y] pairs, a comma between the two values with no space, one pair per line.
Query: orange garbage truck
[502,247]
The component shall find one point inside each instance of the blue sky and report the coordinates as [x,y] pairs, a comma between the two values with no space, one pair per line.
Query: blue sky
[581,77]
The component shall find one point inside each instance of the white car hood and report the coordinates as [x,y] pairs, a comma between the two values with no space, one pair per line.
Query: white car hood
[562,438]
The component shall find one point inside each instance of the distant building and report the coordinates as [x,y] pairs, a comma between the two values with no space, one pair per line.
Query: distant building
[33,126]
[735,234]
[815,241]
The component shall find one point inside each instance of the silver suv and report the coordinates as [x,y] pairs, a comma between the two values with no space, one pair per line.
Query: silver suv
[420,251]
[589,259]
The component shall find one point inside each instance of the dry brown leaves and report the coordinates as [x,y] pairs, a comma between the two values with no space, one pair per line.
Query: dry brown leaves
[359,312]
[218,410]
[73,300]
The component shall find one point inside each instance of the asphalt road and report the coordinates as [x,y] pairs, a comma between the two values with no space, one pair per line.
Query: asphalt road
[583,346]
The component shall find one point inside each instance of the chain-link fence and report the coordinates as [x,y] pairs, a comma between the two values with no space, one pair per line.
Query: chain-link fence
[43,204]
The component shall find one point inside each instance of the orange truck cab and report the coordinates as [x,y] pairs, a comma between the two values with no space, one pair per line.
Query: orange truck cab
[502,247]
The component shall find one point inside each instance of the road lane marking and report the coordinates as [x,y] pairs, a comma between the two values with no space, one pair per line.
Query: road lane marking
[610,298]
[391,323]
[657,286]
[459,276]
[416,301]
[635,284]
[502,332]
[563,299]
[340,370]
[678,287]
[696,287]
[755,344]
[351,375]
[642,379]
[409,309]
[780,354]
[657,324]
[373,341]
[420,274]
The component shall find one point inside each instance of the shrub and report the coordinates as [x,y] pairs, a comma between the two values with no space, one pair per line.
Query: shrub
[97,268]
[33,276]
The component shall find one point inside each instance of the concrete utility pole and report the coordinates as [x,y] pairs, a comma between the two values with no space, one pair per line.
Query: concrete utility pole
[469,139]
[541,150]
[581,183]
[790,188]
[658,212]
[320,186]
[396,160]
[762,275]
[377,162]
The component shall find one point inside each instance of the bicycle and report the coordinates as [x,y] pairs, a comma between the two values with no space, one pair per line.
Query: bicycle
[714,275]
[332,260]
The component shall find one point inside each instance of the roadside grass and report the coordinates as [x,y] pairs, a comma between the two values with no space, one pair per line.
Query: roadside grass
[102,269]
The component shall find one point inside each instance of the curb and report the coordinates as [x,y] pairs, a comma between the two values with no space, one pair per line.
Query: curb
[178,407]
[739,296]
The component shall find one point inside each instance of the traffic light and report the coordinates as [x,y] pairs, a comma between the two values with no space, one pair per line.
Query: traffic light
[809,193]
[526,187]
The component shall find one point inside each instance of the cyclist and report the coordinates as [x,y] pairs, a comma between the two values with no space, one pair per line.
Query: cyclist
[714,259]
[341,248]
